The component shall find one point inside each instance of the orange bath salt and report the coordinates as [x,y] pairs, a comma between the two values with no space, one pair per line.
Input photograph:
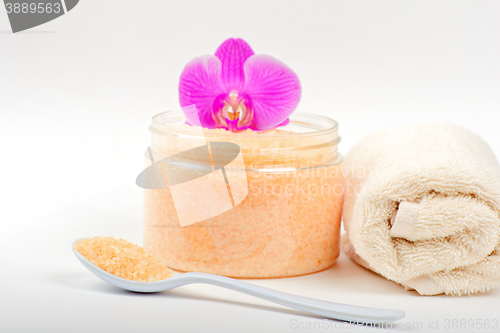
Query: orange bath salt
[123,259]
[289,222]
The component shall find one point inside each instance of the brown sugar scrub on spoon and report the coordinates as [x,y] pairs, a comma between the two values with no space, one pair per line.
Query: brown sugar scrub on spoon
[123,259]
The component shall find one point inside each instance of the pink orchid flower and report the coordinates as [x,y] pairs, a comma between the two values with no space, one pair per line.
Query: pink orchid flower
[236,89]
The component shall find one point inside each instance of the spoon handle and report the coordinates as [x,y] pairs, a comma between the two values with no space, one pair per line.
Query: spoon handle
[351,313]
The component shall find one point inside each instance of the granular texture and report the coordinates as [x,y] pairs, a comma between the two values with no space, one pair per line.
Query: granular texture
[288,224]
[123,259]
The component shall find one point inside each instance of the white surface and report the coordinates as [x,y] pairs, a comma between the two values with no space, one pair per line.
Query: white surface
[77,93]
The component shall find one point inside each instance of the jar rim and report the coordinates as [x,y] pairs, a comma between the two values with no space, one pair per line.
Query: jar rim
[329,126]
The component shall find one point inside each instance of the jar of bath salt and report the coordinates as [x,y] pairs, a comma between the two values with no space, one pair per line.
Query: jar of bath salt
[285,210]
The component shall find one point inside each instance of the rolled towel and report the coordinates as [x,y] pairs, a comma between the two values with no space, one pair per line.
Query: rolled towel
[422,208]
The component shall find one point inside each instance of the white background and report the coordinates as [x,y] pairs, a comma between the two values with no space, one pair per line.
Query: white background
[77,93]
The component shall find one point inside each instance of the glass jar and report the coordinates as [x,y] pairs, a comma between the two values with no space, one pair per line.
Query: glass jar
[284,222]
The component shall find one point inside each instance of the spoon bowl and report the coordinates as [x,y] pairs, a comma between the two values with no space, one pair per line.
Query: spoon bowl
[344,312]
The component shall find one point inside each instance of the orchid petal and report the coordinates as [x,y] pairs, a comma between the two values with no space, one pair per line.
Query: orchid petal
[200,85]
[233,53]
[274,89]
[192,114]
[286,122]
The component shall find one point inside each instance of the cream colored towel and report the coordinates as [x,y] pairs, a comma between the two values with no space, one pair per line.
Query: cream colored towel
[422,208]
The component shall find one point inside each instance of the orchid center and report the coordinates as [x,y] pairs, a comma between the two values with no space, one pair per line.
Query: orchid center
[233,112]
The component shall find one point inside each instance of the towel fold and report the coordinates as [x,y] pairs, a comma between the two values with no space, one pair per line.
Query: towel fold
[422,208]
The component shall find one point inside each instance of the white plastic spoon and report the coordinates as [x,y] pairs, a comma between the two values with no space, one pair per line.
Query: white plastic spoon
[355,314]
